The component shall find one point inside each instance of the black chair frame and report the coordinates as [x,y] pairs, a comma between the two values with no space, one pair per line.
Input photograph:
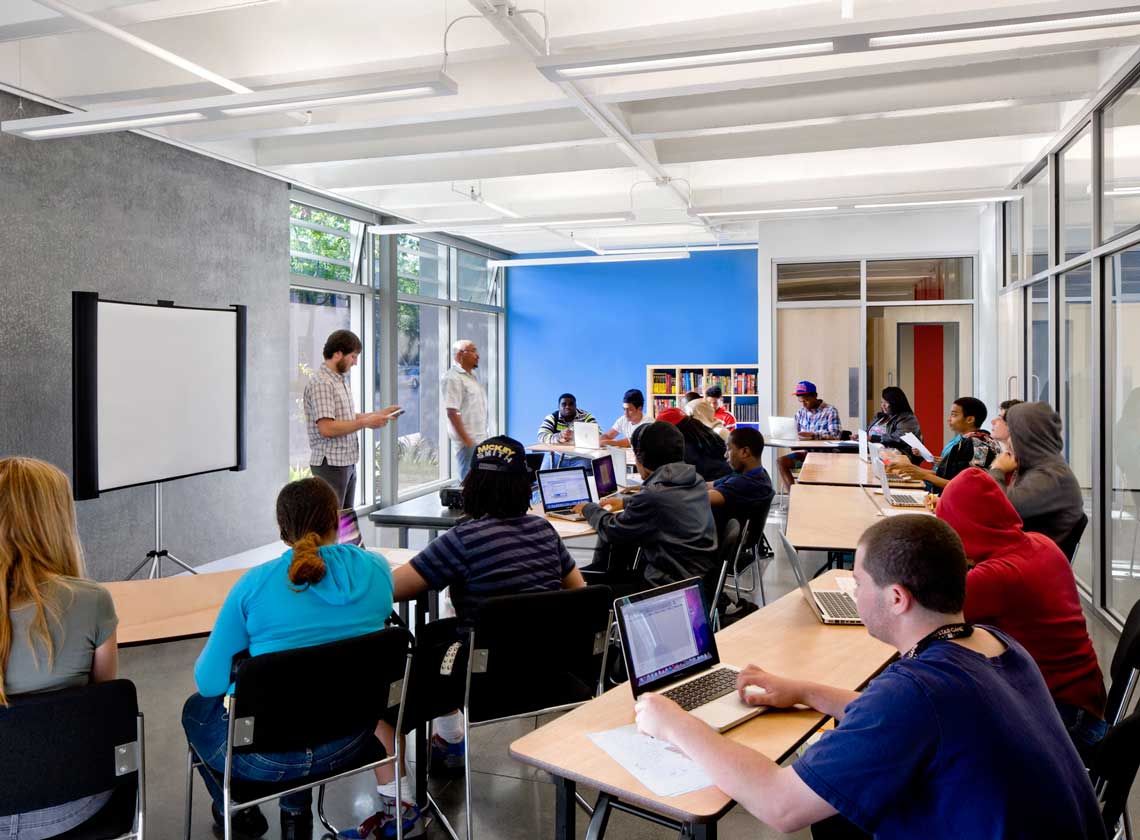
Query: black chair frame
[94,716]
[240,735]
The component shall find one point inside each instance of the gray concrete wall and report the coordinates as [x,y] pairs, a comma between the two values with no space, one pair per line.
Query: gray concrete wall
[135,219]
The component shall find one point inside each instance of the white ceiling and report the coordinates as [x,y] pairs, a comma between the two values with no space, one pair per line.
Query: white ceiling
[900,122]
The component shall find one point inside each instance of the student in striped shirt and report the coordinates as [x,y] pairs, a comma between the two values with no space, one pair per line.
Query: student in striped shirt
[499,550]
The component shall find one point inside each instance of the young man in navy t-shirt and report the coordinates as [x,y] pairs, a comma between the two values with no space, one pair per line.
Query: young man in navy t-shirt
[739,495]
[958,738]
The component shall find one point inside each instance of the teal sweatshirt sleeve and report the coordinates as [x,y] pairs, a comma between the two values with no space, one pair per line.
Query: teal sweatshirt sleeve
[228,638]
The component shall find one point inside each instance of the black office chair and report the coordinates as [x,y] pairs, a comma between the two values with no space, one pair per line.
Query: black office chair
[1072,540]
[533,654]
[1125,669]
[65,745]
[272,709]
[1115,765]
[754,551]
[715,580]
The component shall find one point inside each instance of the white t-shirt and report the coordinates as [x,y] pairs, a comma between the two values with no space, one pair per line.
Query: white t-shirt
[462,391]
[624,428]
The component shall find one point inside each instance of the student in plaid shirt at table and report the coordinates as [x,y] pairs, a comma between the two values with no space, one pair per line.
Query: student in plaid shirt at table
[815,420]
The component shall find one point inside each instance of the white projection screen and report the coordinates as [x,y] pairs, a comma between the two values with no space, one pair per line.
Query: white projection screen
[159,392]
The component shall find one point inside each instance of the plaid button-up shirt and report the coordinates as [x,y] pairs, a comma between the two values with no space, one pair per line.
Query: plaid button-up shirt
[823,423]
[328,396]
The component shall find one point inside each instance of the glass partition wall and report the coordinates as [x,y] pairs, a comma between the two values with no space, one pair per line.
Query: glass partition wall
[1069,323]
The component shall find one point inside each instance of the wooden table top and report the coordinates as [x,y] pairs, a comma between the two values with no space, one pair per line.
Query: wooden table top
[826,517]
[581,452]
[784,638]
[787,443]
[184,606]
[834,468]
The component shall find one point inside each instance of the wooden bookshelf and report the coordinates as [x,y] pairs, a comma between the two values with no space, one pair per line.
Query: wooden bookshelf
[666,384]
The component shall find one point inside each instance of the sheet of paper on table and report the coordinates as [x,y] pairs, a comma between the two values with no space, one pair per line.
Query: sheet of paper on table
[656,764]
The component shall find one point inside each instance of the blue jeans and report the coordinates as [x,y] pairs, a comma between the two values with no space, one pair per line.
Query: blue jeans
[464,455]
[51,822]
[206,721]
[1085,729]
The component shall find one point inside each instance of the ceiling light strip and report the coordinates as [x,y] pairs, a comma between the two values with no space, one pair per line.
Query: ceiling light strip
[764,211]
[681,254]
[352,99]
[113,125]
[1025,27]
[992,199]
[697,59]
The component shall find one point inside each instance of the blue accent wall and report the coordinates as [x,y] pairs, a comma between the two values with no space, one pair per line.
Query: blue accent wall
[591,329]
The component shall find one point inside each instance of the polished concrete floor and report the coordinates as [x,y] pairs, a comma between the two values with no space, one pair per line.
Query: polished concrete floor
[511,800]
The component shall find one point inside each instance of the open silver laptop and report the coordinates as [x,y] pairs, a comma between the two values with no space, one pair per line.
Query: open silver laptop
[669,649]
[561,490]
[783,428]
[830,606]
[896,498]
[586,436]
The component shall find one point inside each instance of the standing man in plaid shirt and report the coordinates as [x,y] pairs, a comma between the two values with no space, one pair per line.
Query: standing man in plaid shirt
[331,420]
[815,420]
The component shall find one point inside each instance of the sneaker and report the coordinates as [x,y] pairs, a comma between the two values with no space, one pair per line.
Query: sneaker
[382,824]
[297,826]
[247,824]
[446,758]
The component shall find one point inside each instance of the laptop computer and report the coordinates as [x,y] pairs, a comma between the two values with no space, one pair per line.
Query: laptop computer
[896,498]
[831,606]
[586,436]
[864,442]
[783,428]
[561,490]
[669,649]
[605,477]
[348,529]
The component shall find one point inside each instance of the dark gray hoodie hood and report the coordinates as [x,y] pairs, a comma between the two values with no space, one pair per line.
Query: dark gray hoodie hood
[677,474]
[1035,429]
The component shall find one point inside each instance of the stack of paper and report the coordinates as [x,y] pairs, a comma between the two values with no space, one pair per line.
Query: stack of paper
[658,765]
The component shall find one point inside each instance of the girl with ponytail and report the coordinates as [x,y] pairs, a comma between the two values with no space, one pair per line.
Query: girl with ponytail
[315,592]
[57,630]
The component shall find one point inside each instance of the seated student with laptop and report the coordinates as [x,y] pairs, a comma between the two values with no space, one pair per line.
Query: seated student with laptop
[958,738]
[1022,583]
[315,592]
[815,420]
[971,446]
[499,550]
[558,426]
[632,416]
[737,496]
[670,519]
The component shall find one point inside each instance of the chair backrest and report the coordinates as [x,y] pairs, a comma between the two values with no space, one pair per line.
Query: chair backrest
[1072,540]
[299,698]
[537,651]
[730,538]
[1125,661]
[1115,765]
[757,519]
[63,745]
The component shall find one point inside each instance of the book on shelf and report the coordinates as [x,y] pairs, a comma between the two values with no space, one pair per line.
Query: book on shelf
[748,412]
[660,404]
[744,383]
[663,383]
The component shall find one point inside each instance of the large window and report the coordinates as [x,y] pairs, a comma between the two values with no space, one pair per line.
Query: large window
[1122,355]
[422,352]
[1077,395]
[1076,200]
[1036,213]
[1121,164]
[324,244]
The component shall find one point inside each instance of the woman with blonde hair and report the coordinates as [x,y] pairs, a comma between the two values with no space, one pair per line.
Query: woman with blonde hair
[57,630]
[316,592]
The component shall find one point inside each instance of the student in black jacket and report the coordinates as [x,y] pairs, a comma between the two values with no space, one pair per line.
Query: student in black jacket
[895,419]
[971,446]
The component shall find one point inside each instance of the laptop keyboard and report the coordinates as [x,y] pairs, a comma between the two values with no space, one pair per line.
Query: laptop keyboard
[837,604]
[704,689]
[907,500]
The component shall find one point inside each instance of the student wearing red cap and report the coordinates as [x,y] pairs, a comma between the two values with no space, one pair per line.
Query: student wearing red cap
[815,420]
[1022,584]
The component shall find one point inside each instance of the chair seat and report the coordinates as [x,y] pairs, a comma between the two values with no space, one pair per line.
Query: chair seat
[113,820]
[244,791]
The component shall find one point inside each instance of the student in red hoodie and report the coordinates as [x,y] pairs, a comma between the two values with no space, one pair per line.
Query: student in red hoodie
[1022,584]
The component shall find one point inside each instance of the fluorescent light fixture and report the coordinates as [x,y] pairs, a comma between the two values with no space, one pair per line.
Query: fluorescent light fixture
[736,247]
[1123,191]
[601,258]
[114,125]
[585,246]
[1023,27]
[498,208]
[682,60]
[377,87]
[763,212]
[847,9]
[352,99]
[991,199]
[596,220]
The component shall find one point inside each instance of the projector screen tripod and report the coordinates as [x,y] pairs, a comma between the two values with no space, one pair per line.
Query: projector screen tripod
[158,553]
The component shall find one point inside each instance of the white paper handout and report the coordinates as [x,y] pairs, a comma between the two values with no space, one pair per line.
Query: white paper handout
[912,440]
[658,765]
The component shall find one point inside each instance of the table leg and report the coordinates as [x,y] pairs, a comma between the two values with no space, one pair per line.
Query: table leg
[597,827]
[702,831]
[423,751]
[565,809]
[402,536]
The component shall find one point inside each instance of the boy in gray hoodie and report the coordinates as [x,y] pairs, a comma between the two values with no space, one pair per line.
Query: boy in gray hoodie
[670,519]
[1043,489]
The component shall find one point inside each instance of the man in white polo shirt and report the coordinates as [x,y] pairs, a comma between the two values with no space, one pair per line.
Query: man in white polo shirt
[465,402]
[332,422]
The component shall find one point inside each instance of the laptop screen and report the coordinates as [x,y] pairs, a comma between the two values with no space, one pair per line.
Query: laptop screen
[348,529]
[563,488]
[798,571]
[604,477]
[665,634]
